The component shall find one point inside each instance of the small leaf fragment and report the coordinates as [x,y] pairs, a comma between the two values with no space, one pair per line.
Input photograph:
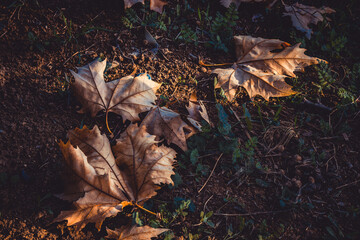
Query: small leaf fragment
[165,123]
[134,233]
[155,5]
[303,15]
[197,110]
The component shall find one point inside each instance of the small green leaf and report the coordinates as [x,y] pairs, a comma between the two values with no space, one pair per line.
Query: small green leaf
[331,232]
[224,126]
[262,183]
[209,214]
[136,219]
[169,236]
[210,224]
[177,180]
[194,156]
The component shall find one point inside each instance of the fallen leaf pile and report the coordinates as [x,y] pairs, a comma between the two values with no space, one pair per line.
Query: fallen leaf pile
[260,69]
[101,179]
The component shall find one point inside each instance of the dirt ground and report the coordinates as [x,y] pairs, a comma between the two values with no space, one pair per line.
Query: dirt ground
[322,196]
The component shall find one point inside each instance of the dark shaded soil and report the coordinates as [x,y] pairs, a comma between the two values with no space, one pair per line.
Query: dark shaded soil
[37,109]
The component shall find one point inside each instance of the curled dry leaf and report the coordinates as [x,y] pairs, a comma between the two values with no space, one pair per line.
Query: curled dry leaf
[302,15]
[134,233]
[127,96]
[260,69]
[168,124]
[101,184]
[155,5]
[197,110]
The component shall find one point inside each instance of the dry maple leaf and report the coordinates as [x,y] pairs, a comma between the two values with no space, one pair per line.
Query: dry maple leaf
[96,182]
[163,122]
[134,233]
[197,110]
[146,164]
[155,5]
[260,69]
[302,15]
[127,96]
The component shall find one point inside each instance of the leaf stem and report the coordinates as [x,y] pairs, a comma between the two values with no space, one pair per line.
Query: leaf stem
[213,65]
[107,122]
[142,208]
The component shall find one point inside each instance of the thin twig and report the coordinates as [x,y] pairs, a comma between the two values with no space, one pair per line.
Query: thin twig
[317,105]
[3,34]
[207,155]
[250,214]
[211,173]
[244,128]
[348,184]
[207,202]
[78,52]
[299,194]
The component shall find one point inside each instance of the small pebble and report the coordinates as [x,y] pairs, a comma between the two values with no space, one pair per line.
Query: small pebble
[297,158]
[298,183]
[202,69]
[281,148]
[311,180]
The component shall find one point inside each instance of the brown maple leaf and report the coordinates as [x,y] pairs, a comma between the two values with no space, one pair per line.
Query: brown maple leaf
[134,233]
[127,96]
[260,70]
[165,123]
[155,5]
[302,15]
[197,110]
[101,185]
[145,164]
